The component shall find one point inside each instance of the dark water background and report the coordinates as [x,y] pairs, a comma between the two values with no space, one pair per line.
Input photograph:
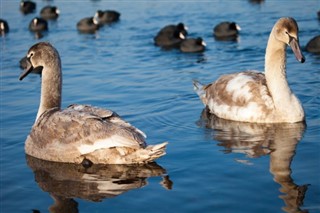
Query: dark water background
[211,165]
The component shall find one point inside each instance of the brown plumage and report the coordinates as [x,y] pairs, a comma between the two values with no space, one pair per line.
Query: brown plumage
[80,132]
[259,97]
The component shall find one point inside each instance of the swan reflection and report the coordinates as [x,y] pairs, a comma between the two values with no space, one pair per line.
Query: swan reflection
[256,140]
[64,182]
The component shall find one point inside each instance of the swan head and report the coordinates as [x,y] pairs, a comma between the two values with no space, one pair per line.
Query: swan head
[39,55]
[286,30]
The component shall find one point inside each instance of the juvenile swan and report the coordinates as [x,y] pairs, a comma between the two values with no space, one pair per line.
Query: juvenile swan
[259,97]
[81,133]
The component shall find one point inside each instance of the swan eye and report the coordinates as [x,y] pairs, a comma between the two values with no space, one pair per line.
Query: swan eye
[30,55]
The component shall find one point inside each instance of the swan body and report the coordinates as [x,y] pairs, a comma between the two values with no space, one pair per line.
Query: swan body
[259,97]
[79,133]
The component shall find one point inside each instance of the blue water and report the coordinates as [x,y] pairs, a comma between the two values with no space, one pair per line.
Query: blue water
[211,165]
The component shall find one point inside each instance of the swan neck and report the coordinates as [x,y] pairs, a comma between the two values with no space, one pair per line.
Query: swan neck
[275,70]
[51,87]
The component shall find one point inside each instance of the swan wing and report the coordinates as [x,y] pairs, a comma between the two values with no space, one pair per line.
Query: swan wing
[241,96]
[85,128]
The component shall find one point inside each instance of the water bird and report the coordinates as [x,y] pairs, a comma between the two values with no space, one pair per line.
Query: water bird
[313,46]
[256,1]
[169,41]
[226,31]
[4,27]
[27,7]
[49,12]
[38,25]
[171,36]
[80,134]
[88,25]
[191,45]
[171,28]
[107,16]
[259,97]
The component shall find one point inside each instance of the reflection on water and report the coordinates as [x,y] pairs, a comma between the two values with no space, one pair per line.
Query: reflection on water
[256,140]
[64,182]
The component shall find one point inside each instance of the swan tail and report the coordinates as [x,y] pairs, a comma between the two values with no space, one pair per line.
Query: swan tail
[199,89]
[148,154]
[126,155]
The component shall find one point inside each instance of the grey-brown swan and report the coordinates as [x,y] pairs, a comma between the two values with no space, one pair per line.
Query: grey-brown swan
[259,97]
[80,133]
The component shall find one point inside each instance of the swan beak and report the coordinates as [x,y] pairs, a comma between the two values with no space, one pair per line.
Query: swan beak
[294,44]
[27,67]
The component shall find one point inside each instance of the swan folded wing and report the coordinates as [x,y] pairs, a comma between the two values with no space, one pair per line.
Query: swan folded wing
[83,127]
[242,94]
[105,114]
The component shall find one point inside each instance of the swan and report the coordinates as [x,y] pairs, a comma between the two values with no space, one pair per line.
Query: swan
[259,97]
[80,134]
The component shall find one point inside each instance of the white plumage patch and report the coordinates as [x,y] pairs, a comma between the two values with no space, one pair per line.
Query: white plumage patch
[239,87]
[111,187]
[243,113]
[240,90]
[79,107]
[113,141]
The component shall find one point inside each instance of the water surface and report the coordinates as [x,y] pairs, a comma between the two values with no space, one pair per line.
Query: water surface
[211,165]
